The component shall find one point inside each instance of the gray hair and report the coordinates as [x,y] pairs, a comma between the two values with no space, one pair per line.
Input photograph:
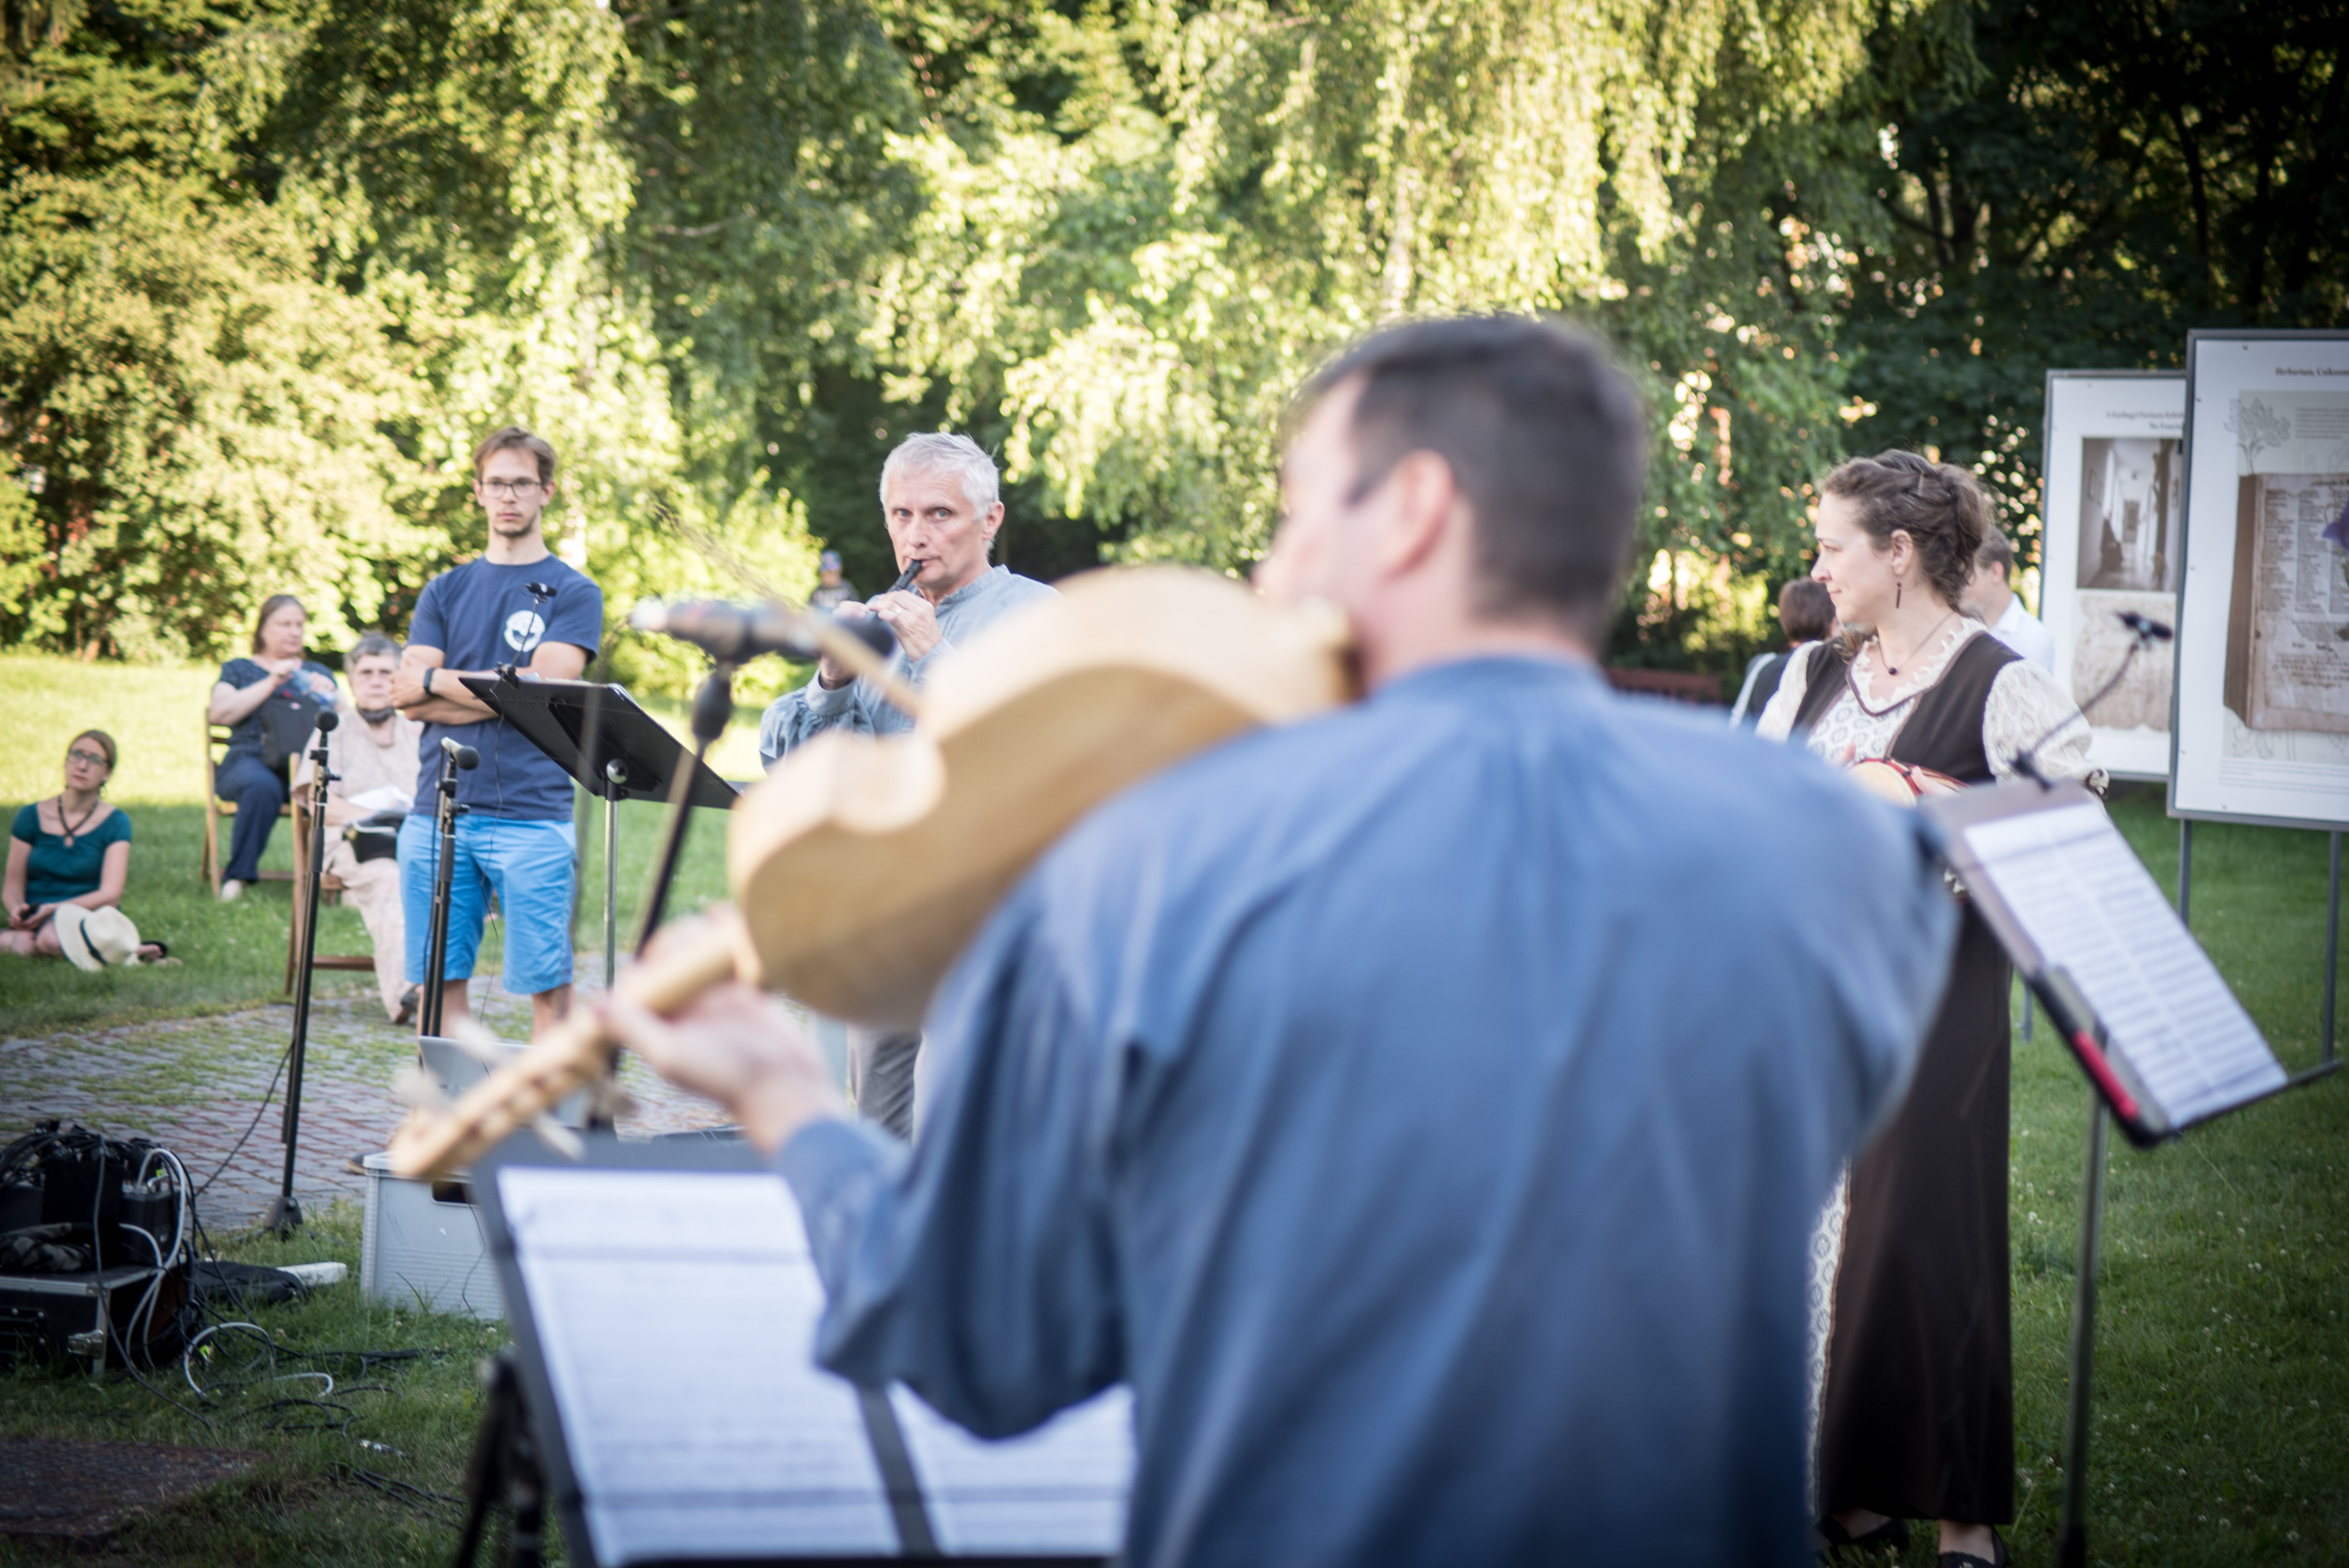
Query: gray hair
[941,451]
[370,645]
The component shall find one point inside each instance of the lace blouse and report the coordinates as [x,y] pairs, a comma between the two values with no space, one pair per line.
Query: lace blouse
[2024,704]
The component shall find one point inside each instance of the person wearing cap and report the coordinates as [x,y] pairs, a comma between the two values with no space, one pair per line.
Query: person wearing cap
[69,856]
[832,590]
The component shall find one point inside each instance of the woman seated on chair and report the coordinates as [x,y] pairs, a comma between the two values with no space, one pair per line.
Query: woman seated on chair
[71,848]
[275,672]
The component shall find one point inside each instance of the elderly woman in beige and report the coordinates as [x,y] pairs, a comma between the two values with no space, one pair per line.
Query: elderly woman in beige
[372,754]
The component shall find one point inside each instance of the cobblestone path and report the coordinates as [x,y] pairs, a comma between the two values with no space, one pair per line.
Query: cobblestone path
[193,1086]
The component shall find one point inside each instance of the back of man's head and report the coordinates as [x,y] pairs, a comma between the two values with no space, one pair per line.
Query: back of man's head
[1997,550]
[1544,435]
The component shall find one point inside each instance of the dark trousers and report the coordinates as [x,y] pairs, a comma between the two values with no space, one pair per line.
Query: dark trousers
[260,795]
[881,1077]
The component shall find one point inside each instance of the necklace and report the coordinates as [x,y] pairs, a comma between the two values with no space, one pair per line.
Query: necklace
[73,828]
[1892,669]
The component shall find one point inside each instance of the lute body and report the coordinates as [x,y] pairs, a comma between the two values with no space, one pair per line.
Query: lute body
[862,866]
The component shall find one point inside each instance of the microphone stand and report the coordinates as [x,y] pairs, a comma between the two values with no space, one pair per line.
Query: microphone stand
[713,705]
[436,953]
[285,1213]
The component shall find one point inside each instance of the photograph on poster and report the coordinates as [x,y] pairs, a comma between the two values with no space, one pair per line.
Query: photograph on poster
[2263,641]
[2114,508]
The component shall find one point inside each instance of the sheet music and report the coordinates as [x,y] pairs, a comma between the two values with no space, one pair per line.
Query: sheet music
[2089,904]
[677,1310]
[1060,1489]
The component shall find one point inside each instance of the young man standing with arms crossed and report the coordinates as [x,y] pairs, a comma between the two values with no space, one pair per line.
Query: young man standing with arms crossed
[516,837]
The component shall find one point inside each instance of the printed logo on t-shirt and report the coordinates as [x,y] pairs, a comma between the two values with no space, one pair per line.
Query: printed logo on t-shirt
[524,629]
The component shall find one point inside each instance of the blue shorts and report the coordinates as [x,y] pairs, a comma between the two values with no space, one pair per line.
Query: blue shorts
[530,864]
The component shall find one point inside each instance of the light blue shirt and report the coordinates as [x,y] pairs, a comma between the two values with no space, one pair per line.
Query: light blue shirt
[1424,1109]
[800,715]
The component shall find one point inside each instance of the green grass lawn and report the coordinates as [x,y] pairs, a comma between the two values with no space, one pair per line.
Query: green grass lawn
[2223,1391]
[233,954]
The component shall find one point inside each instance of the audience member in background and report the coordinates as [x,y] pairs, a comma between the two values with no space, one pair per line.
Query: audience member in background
[1806,614]
[371,755]
[71,848]
[1989,598]
[250,775]
[831,587]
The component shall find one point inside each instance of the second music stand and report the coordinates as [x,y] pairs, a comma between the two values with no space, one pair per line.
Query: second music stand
[617,752]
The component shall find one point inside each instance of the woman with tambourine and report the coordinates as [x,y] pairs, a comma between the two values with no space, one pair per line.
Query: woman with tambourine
[1910,1295]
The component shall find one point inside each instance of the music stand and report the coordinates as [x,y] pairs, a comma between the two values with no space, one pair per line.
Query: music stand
[2164,1043]
[662,1307]
[617,752]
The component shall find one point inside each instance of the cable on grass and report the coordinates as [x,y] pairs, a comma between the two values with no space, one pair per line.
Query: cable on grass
[391,1486]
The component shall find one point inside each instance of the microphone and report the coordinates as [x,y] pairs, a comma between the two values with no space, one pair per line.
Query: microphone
[732,633]
[465,757]
[327,720]
[2147,632]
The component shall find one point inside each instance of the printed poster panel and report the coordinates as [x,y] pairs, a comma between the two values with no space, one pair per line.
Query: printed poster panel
[2263,636]
[2113,513]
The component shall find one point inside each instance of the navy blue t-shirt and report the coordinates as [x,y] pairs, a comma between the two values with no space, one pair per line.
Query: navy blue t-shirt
[479,616]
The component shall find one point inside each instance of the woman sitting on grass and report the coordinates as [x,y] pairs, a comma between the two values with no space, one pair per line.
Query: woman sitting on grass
[72,849]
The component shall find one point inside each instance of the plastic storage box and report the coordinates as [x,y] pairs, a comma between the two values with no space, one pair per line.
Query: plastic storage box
[424,1246]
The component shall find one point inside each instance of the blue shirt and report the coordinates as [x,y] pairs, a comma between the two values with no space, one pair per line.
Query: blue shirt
[800,715]
[314,681]
[1425,1110]
[53,872]
[480,616]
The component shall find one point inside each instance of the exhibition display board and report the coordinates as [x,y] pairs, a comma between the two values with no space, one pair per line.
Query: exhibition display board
[2113,505]
[2260,725]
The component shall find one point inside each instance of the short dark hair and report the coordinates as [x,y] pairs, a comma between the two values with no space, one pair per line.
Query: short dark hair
[1997,550]
[1544,435]
[515,438]
[270,607]
[1806,610]
[1937,505]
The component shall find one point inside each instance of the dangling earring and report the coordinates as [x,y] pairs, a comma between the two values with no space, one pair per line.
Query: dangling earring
[1896,593]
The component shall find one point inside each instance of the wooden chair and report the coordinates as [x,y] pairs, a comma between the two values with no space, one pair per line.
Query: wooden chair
[330,891]
[209,869]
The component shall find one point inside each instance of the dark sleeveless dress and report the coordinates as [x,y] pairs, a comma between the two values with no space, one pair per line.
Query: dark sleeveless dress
[1918,1416]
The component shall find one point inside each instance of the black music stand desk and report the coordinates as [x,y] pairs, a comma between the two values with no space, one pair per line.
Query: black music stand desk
[617,752]
[664,1308]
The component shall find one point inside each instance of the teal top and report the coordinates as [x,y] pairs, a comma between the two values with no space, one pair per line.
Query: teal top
[55,872]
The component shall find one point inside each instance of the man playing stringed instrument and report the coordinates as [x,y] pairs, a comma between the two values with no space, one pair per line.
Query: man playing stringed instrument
[941,498]
[1422,1108]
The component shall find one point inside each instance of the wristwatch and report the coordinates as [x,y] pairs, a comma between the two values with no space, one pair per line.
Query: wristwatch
[428,678]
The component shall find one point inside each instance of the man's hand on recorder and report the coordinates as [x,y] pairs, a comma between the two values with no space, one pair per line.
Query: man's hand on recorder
[914,619]
[738,1046]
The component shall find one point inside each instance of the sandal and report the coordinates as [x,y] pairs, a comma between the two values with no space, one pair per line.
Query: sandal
[1892,1532]
[1968,1560]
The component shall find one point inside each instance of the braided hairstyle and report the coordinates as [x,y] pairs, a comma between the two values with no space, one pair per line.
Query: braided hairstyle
[1937,505]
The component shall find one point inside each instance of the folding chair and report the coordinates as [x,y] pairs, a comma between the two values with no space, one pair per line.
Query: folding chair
[330,891]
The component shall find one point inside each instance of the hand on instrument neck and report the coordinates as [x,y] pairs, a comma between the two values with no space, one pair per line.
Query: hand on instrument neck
[1399,558]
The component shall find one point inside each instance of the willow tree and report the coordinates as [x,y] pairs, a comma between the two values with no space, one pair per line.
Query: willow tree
[1138,292]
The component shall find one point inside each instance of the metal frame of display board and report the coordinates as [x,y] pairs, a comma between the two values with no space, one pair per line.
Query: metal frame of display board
[2187,817]
[2047,438]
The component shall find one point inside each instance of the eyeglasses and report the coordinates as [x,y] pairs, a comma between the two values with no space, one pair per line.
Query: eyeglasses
[87,758]
[510,489]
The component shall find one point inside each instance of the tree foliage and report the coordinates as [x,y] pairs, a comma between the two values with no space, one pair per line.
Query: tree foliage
[267,271]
